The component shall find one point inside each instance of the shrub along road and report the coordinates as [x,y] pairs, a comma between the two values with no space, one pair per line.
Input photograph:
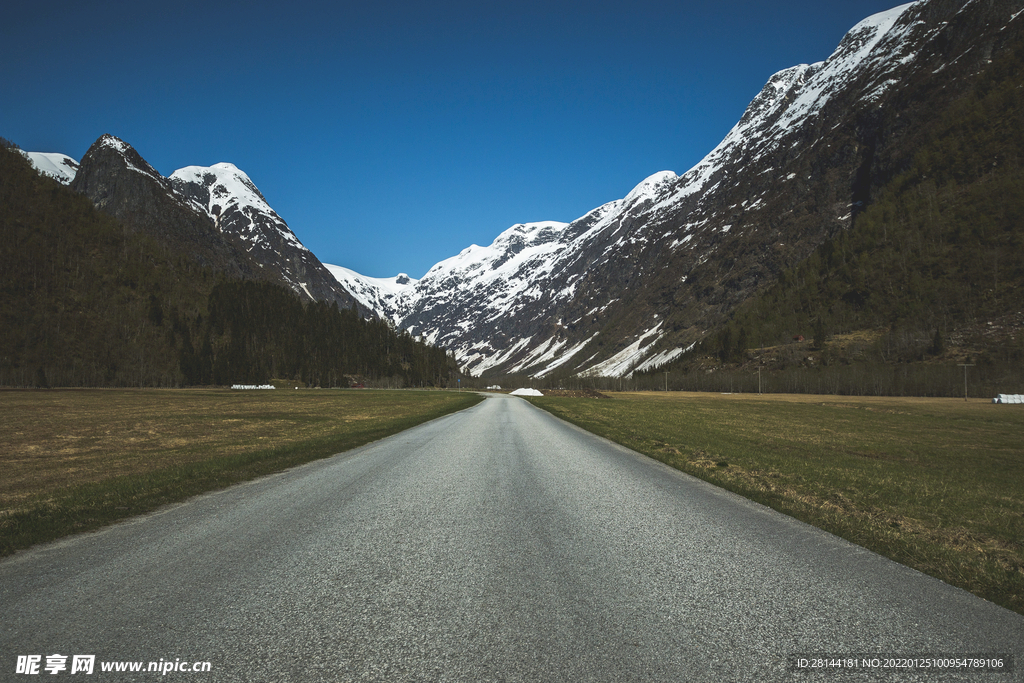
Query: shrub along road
[497,543]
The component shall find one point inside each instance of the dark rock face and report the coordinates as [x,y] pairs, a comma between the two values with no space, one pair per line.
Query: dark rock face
[121,183]
[637,280]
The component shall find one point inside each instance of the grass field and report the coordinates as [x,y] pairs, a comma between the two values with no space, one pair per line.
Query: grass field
[936,484]
[74,460]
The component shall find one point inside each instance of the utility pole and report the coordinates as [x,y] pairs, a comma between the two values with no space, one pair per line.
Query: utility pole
[666,381]
[965,366]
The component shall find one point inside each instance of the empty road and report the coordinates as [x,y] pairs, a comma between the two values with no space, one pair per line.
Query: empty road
[495,544]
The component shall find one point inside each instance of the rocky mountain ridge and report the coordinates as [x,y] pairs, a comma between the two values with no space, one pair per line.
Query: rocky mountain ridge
[216,216]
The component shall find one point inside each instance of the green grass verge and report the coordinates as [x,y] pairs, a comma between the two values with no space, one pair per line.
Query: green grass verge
[359,418]
[935,484]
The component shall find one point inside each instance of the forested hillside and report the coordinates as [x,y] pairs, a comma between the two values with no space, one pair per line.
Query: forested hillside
[256,330]
[85,301]
[931,273]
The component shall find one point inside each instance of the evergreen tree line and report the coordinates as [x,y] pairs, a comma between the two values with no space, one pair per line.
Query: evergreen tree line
[861,379]
[84,301]
[984,380]
[255,331]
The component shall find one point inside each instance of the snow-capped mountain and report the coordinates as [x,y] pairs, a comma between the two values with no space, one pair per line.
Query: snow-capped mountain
[633,283]
[215,216]
[387,297]
[239,211]
[60,167]
[121,183]
[473,303]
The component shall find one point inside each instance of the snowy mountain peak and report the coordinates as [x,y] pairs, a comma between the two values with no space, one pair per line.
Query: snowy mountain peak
[132,159]
[528,234]
[650,187]
[114,142]
[520,245]
[234,203]
[227,187]
[872,46]
[869,55]
[60,167]
[239,211]
[862,38]
[214,215]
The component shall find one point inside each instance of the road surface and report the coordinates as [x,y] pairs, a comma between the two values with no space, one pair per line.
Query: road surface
[495,544]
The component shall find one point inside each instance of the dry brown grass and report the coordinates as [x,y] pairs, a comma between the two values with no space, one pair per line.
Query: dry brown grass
[57,439]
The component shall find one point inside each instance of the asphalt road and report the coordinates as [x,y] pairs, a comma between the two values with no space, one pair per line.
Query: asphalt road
[493,544]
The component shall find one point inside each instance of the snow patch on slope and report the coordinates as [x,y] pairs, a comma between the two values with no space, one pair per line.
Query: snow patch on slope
[228,185]
[561,358]
[387,296]
[60,167]
[622,363]
[662,358]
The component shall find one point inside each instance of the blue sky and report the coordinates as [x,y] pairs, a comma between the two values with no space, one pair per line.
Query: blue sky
[391,135]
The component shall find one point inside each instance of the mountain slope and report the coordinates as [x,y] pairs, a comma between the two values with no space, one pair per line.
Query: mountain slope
[241,213]
[83,301]
[386,297]
[216,216]
[122,184]
[929,277]
[636,281]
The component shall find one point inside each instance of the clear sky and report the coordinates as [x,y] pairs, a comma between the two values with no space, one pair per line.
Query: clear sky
[393,134]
